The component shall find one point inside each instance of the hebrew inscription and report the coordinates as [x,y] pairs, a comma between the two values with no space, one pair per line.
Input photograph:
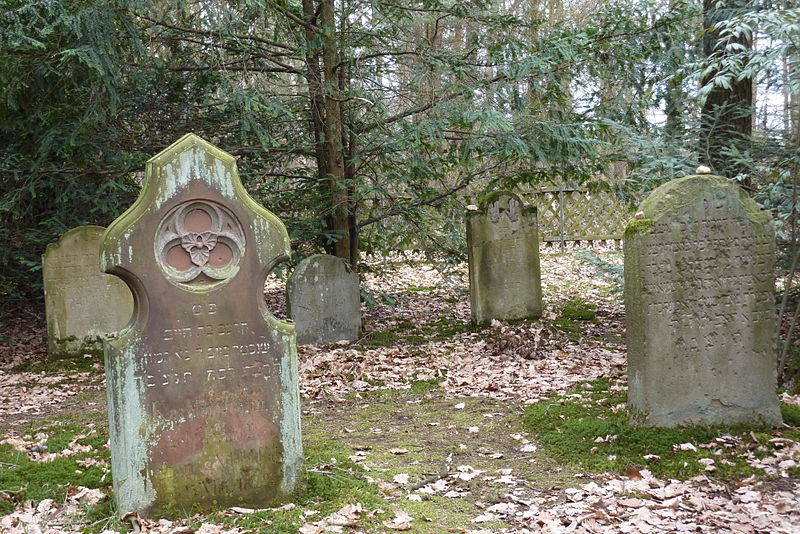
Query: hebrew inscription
[700,306]
[202,389]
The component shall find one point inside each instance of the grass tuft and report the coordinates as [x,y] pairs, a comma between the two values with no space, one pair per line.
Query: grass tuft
[791,415]
[60,366]
[589,429]
[578,310]
[28,480]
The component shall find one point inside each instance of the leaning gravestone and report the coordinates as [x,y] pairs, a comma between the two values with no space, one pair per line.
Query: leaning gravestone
[700,306]
[324,300]
[503,244]
[202,390]
[82,304]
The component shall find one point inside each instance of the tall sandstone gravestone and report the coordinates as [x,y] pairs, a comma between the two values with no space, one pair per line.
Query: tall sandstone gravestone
[700,306]
[82,304]
[202,390]
[324,300]
[503,245]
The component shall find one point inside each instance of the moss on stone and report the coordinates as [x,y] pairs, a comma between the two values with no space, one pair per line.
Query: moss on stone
[176,485]
[638,226]
[72,347]
[676,194]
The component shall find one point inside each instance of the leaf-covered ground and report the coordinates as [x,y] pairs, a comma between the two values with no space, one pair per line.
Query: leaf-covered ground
[429,424]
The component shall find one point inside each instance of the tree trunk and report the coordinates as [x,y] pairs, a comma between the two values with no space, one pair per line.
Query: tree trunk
[315,90]
[792,69]
[727,113]
[675,97]
[325,100]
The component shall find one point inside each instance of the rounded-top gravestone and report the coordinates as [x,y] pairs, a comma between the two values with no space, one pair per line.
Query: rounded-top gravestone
[700,306]
[203,397]
[503,247]
[82,304]
[324,300]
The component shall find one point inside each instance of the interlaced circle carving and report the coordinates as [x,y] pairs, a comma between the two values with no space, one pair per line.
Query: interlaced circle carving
[199,244]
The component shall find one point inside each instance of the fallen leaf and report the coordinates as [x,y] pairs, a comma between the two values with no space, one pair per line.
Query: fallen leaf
[401,478]
[347,516]
[633,473]
[400,521]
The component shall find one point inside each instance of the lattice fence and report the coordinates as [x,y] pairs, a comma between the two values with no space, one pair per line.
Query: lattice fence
[574,215]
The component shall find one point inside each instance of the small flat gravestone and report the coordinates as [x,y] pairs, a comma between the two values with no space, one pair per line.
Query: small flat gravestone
[504,276]
[82,304]
[202,390]
[324,300]
[700,306]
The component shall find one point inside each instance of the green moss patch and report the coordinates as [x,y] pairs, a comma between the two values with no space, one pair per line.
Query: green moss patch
[791,415]
[379,339]
[23,479]
[589,429]
[638,226]
[578,310]
[572,315]
[436,436]
[409,333]
[331,481]
[63,366]
[420,289]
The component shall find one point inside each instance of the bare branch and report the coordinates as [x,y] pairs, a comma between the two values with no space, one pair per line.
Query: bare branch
[209,33]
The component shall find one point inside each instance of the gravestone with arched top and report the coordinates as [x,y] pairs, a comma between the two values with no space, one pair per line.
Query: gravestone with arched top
[82,304]
[202,390]
[324,300]
[700,306]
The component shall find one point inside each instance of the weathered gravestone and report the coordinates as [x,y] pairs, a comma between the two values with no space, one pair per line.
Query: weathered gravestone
[700,308]
[202,391]
[324,300]
[503,245]
[82,304]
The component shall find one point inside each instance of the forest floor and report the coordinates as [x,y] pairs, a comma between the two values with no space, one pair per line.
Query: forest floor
[429,424]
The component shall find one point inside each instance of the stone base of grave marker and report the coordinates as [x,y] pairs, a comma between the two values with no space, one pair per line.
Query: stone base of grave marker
[700,307]
[82,304]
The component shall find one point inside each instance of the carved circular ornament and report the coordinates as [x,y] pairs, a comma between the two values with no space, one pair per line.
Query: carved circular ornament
[199,245]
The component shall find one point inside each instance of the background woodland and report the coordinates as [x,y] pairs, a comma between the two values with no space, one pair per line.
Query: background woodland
[369,125]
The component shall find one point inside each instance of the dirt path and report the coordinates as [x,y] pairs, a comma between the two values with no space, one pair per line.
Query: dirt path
[445,461]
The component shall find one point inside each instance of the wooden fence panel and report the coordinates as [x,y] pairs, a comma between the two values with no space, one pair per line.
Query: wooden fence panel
[572,215]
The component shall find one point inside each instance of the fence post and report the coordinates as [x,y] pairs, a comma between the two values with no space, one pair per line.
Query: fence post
[561,216]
